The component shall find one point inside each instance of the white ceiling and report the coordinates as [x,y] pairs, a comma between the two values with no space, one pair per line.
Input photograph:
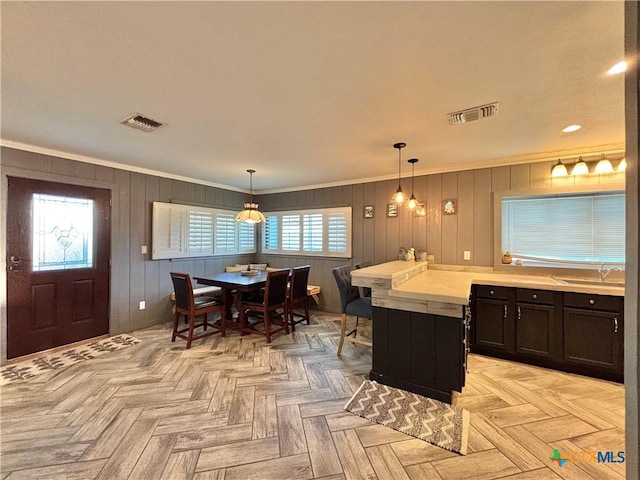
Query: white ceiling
[311,93]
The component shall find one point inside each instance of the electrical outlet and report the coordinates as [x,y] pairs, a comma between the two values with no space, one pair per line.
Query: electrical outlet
[143,305]
[467,255]
[143,249]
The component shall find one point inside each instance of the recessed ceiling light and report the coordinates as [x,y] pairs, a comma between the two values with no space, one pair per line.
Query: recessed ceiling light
[618,68]
[571,128]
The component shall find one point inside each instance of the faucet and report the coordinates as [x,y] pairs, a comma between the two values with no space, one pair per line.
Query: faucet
[604,272]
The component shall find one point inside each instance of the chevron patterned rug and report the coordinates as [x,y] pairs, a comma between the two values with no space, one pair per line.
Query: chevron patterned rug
[29,368]
[435,422]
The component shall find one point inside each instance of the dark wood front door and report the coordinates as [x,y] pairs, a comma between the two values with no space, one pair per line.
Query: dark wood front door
[58,251]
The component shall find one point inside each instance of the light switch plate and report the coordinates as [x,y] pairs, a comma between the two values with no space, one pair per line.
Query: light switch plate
[143,305]
[467,255]
[143,249]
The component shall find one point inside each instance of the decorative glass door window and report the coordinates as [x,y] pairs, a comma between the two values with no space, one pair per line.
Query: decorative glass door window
[62,232]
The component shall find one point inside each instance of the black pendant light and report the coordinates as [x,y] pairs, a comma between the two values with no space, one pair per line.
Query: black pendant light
[399,197]
[412,203]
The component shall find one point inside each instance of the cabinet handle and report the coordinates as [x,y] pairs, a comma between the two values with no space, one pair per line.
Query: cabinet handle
[592,302]
[505,311]
[615,325]
[519,313]
[491,292]
[535,297]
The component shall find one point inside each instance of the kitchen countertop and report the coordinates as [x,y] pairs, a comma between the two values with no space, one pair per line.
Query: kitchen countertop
[410,280]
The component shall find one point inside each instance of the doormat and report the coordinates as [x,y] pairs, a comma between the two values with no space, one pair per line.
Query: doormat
[435,422]
[64,358]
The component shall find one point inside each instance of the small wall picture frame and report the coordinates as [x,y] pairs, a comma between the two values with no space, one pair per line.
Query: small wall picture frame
[449,206]
[368,211]
[420,210]
[392,210]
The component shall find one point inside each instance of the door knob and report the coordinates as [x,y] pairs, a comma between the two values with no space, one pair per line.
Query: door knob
[15,259]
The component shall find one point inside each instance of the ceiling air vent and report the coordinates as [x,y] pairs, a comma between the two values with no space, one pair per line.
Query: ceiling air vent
[475,113]
[140,122]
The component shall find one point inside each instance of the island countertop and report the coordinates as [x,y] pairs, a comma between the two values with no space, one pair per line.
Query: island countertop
[414,281]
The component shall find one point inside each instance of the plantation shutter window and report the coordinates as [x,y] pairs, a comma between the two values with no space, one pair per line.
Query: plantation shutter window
[322,232]
[180,231]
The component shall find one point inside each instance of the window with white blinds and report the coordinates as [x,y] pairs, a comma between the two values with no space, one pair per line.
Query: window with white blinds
[318,232]
[186,231]
[575,228]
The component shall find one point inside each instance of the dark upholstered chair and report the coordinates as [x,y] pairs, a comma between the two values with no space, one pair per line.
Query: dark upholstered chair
[266,307]
[366,291]
[351,305]
[298,296]
[192,307]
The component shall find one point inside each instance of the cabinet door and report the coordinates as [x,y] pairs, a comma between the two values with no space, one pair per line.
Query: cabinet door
[493,325]
[535,330]
[593,339]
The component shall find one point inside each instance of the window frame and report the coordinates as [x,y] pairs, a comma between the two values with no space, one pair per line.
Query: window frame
[327,214]
[561,267]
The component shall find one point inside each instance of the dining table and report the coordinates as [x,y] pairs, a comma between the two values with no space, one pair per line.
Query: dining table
[233,285]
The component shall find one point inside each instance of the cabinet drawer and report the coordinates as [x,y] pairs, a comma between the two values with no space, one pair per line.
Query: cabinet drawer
[488,291]
[544,297]
[593,302]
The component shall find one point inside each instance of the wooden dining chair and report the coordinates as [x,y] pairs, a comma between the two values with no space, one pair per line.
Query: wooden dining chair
[191,307]
[267,307]
[298,296]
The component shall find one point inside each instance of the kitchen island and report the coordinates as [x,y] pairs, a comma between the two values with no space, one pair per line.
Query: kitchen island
[421,322]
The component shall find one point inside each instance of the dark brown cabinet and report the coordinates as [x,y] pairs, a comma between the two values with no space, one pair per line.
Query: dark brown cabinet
[419,352]
[593,334]
[493,329]
[538,323]
[575,332]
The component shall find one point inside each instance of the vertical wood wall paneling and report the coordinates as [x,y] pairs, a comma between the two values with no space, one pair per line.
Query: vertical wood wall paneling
[120,258]
[434,217]
[135,277]
[419,223]
[450,222]
[500,179]
[357,221]
[368,230]
[520,176]
[138,214]
[465,220]
[482,253]
[383,191]
[541,174]
[156,307]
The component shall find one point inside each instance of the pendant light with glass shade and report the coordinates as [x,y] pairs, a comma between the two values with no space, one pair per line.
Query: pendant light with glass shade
[399,196]
[580,168]
[559,170]
[250,214]
[604,165]
[622,166]
[412,203]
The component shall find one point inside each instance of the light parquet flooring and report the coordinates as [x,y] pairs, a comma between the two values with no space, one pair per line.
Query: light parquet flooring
[238,408]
